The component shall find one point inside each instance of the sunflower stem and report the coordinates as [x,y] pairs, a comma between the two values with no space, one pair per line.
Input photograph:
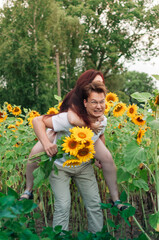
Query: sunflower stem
[138,224]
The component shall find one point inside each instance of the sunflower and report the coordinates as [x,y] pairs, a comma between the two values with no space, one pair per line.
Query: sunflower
[9,107]
[52,110]
[3,116]
[72,163]
[85,154]
[59,105]
[140,134]
[138,120]
[19,122]
[16,111]
[119,109]
[33,114]
[13,127]
[111,98]
[30,120]
[157,100]
[89,143]
[107,107]
[70,145]
[132,110]
[82,134]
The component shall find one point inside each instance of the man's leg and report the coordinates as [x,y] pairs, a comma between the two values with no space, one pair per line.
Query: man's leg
[32,164]
[86,182]
[60,184]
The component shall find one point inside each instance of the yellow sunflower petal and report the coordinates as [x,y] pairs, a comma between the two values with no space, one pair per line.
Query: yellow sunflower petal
[19,121]
[52,110]
[140,134]
[107,107]
[3,116]
[72,163]
[9,107]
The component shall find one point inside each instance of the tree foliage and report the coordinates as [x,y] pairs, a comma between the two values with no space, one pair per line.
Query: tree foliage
[113,31]
[87,34]
[136,82]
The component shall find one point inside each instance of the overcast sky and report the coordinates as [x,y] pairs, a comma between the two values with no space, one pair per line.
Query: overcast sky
[150,67]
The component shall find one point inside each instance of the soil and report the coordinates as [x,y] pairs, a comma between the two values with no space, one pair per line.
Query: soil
[78,219]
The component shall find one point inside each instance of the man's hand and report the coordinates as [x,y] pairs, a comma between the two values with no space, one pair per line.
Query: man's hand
[50,149]
[97,163]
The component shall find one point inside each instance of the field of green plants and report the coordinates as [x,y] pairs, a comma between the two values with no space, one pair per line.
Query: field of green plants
[132,136]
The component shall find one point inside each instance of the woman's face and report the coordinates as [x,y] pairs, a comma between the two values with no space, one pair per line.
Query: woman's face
[98,78]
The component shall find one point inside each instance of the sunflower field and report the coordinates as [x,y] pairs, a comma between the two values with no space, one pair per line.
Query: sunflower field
[132,136]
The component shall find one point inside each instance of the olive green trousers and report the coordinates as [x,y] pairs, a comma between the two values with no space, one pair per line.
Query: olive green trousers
[87,185]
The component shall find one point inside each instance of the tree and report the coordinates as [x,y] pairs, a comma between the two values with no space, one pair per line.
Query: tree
[31,33]
[113,31]
[136,82]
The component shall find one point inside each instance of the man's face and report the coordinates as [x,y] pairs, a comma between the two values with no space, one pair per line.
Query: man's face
[95,104]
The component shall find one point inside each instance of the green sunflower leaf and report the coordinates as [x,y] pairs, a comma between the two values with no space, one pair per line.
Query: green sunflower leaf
[154,220]
[140,183]
[134,155]
[154,124]
[141,97]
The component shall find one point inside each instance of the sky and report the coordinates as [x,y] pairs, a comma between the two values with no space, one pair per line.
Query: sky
[150,67]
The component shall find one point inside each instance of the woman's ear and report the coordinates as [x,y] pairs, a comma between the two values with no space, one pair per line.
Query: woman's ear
[85,103]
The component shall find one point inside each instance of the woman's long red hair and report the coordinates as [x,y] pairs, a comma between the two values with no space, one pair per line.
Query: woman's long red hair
[74,99]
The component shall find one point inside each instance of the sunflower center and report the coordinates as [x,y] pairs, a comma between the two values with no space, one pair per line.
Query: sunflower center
[87,144]
[111,99]
[1,115]
[118,108]
[131,110]
[72,144]
[16,109]
[83,152]
[81,135]
[139,119]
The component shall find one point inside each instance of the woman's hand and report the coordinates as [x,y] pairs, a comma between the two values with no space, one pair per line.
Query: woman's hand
[96,126]
[98,164]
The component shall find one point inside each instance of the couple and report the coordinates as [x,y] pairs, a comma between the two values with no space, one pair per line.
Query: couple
[83,106]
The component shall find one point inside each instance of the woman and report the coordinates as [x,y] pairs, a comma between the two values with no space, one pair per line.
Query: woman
[78,116]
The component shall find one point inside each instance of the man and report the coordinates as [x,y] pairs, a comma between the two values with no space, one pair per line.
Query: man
[94,102]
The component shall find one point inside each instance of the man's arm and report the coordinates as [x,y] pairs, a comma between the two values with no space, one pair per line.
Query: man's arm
[40,124]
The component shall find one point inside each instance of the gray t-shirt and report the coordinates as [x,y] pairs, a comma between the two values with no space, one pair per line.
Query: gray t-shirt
[61,125]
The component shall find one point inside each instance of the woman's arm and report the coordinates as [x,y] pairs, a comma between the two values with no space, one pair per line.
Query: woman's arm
[75,120]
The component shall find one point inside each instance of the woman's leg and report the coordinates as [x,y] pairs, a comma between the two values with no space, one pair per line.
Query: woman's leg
[109,169]
[32,164]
